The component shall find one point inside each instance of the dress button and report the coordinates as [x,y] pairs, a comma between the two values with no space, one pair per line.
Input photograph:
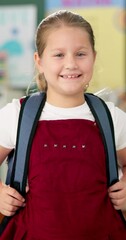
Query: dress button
[45,145]
[83,146]
[55,145]
[64,146]
[74,146]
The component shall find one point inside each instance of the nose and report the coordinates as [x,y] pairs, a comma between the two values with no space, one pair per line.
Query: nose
[70,62]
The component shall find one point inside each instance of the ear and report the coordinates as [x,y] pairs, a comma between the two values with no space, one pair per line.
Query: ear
[38,62]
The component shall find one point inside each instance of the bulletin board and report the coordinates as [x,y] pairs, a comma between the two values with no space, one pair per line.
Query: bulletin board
[40,5]
[18,22]
[107,18]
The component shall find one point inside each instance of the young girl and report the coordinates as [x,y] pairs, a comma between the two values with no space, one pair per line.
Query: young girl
[67,196]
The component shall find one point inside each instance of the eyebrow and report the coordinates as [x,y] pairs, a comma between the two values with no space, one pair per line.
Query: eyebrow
[61,49]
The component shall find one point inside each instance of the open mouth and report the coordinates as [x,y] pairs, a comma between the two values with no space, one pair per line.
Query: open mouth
[70,76]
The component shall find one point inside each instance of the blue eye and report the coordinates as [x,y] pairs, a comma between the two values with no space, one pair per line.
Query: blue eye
[81,54]
[59,55]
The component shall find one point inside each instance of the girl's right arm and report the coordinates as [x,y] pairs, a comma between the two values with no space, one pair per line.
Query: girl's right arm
[10,199]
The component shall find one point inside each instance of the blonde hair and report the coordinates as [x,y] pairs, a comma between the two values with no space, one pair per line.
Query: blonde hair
[56,20]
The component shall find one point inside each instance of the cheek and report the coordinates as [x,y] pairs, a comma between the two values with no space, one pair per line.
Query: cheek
[49,72]
[91,63]
[54,69]
[89,67]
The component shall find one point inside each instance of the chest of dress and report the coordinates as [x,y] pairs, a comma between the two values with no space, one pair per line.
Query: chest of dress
[67,155]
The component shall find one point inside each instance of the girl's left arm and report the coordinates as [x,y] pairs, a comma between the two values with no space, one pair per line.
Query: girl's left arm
[117,192]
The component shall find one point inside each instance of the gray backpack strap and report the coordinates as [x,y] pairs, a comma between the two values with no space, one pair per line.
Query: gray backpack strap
[28,123]
[18,163]
[10,159]
[103,118]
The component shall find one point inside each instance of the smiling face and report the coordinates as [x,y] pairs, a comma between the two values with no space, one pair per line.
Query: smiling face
[67,63]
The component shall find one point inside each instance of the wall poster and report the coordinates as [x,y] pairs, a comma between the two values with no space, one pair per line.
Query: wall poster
[17,30]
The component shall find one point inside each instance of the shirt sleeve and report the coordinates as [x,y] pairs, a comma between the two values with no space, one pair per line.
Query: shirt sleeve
[119,120]
[8,123]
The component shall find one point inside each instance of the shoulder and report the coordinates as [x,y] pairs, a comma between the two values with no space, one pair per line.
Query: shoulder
[13,106]
[116,112]
[9,115]
[119,122]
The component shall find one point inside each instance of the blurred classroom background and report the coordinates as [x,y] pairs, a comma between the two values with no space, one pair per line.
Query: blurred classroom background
[18,22]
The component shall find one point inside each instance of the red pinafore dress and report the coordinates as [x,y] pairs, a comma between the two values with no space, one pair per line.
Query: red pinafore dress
[68,198]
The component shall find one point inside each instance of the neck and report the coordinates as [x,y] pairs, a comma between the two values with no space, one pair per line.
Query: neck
[65,101]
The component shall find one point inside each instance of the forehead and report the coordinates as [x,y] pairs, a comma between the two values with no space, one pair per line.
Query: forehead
[65,34]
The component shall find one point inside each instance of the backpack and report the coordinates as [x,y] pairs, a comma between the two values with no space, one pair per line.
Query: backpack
[29,115]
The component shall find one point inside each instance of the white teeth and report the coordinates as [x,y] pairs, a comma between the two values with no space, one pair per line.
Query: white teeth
[70,76]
